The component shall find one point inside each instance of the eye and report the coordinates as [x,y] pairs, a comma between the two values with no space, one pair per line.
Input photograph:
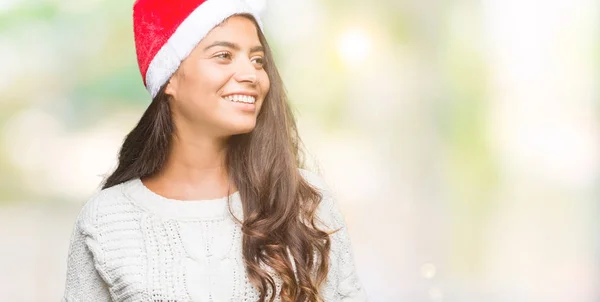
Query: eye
[260,61]
[223,55]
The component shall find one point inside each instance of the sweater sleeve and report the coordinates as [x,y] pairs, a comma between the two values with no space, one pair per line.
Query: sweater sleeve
[349,287]
[84,282]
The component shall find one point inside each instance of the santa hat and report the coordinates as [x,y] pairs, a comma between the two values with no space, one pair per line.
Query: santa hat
[166,31]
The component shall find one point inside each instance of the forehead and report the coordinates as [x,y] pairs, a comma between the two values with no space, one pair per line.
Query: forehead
[237,29]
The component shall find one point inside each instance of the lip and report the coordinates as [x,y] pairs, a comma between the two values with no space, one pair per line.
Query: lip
[247,107]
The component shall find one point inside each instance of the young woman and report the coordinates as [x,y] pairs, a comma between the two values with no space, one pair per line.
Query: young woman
[208,202]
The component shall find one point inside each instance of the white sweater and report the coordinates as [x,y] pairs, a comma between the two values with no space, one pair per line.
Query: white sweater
[131,244]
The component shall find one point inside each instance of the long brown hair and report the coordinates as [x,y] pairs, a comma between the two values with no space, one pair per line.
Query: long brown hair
[279,205]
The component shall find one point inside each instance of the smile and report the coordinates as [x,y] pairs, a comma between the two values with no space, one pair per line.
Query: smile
[241,98]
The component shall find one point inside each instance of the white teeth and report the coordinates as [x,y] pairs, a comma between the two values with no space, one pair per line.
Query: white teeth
[241,98]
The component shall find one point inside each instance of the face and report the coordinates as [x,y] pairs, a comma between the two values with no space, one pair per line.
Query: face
[220,87]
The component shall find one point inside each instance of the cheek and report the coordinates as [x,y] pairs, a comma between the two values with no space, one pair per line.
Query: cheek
[204,84]
[265,84]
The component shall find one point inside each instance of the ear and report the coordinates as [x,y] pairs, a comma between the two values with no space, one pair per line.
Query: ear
[172,85]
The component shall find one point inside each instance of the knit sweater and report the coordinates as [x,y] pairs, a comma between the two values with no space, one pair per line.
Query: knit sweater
[131,244]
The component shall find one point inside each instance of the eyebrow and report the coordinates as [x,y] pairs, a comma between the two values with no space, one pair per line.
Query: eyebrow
[234,46]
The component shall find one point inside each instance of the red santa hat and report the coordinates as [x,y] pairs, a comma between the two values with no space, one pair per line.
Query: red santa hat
[165,32]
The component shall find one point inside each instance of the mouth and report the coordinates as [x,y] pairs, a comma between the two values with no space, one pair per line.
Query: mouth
[240,98]
[242,102]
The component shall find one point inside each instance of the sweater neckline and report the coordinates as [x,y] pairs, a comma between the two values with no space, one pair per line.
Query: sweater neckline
[181,209]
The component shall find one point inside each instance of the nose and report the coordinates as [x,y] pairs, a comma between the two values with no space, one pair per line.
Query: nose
[246,72]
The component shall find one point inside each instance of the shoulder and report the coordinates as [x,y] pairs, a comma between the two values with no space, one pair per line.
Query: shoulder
[100,203]
[328,211]
[315,180]
[318,182]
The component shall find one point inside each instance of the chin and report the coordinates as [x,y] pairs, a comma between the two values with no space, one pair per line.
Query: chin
[242,128]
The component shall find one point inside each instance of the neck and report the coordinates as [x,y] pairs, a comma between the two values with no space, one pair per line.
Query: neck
[195,169]
[196,159]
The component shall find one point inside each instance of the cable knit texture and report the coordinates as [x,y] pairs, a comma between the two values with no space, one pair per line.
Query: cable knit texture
[131,244]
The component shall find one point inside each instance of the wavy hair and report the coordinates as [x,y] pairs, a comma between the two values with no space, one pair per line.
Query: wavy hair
[279,205]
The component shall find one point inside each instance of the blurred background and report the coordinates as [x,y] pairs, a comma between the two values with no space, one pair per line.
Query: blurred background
[461,137]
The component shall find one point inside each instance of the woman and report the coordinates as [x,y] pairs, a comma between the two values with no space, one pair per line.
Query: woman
[208,202]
